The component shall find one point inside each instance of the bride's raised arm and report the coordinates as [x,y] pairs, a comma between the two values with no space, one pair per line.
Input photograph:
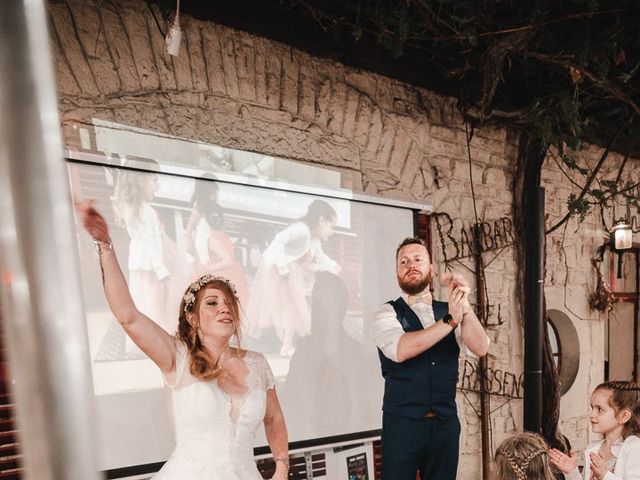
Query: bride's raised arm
[156,343]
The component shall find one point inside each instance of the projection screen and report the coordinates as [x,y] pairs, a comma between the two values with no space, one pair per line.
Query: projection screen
[325,362]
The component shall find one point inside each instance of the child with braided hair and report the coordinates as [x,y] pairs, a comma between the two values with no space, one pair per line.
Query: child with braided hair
[615,413]
[523,457]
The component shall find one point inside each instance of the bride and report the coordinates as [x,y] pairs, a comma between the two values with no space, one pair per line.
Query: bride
[220,394]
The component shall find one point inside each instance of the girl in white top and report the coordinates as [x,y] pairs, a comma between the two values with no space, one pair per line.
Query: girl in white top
[280,294]
[156,269]
[147,268]
[615,413]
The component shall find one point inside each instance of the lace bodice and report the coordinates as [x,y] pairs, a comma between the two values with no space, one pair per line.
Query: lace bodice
[214,430]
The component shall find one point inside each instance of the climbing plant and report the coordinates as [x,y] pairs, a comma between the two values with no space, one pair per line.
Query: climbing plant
[567,73]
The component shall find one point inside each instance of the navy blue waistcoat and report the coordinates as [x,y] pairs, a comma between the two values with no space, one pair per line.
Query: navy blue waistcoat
[426,382]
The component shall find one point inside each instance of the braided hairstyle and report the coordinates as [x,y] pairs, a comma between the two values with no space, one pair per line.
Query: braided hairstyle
[625,396]
[523,456]
[202,364]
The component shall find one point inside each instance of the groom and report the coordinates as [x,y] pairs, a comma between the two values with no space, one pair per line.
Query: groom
[419,341]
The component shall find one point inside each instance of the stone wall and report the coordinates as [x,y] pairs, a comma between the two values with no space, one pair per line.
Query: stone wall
[236,90]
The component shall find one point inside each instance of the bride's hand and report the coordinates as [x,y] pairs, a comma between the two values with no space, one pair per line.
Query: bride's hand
[93,222]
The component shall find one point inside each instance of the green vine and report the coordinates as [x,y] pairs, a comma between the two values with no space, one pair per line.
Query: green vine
[566,72]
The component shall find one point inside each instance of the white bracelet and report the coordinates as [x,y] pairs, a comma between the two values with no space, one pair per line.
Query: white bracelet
[103,247]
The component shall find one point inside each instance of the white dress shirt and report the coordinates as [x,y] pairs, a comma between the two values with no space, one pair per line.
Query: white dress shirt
[387,330]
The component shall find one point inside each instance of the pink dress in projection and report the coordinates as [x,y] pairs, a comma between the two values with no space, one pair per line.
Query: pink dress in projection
[204,239]
[214,430]
[284,281]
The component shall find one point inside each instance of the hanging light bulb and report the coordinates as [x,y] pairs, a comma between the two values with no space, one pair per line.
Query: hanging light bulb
[174,36]
[621,236]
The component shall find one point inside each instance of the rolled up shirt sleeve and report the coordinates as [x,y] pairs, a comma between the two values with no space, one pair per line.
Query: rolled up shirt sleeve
[386,331]
[464,350]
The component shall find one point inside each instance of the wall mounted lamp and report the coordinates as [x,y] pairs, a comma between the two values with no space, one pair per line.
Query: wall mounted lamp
[621,236]
[621,240]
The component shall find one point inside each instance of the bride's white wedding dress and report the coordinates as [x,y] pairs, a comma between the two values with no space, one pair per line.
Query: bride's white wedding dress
[215,431]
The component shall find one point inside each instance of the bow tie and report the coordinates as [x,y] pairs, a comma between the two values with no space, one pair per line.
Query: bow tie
[422,298]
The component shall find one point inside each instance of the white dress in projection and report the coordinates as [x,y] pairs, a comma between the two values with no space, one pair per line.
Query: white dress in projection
[215,431]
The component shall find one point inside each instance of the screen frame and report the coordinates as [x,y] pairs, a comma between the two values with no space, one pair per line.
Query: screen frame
[189,172]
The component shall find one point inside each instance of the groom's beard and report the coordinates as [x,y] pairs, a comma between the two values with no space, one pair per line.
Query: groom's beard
[414,285]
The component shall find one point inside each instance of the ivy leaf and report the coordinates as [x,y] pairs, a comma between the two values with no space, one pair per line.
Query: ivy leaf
[576,75]
[334,31]
[578,207]
[573,143]
[624,77]
[570,162]
[357,33]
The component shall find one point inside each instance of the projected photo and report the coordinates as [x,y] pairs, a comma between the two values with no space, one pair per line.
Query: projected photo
[157,269]
[281,291]
[308,274]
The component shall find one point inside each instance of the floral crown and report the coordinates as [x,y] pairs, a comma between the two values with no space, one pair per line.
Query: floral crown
[189,297]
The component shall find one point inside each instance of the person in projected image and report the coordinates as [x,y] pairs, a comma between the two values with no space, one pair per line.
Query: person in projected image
[132,198]
[211,247]
[328,366]
[280,293]
[155,267]
[219,393]
[419,340]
